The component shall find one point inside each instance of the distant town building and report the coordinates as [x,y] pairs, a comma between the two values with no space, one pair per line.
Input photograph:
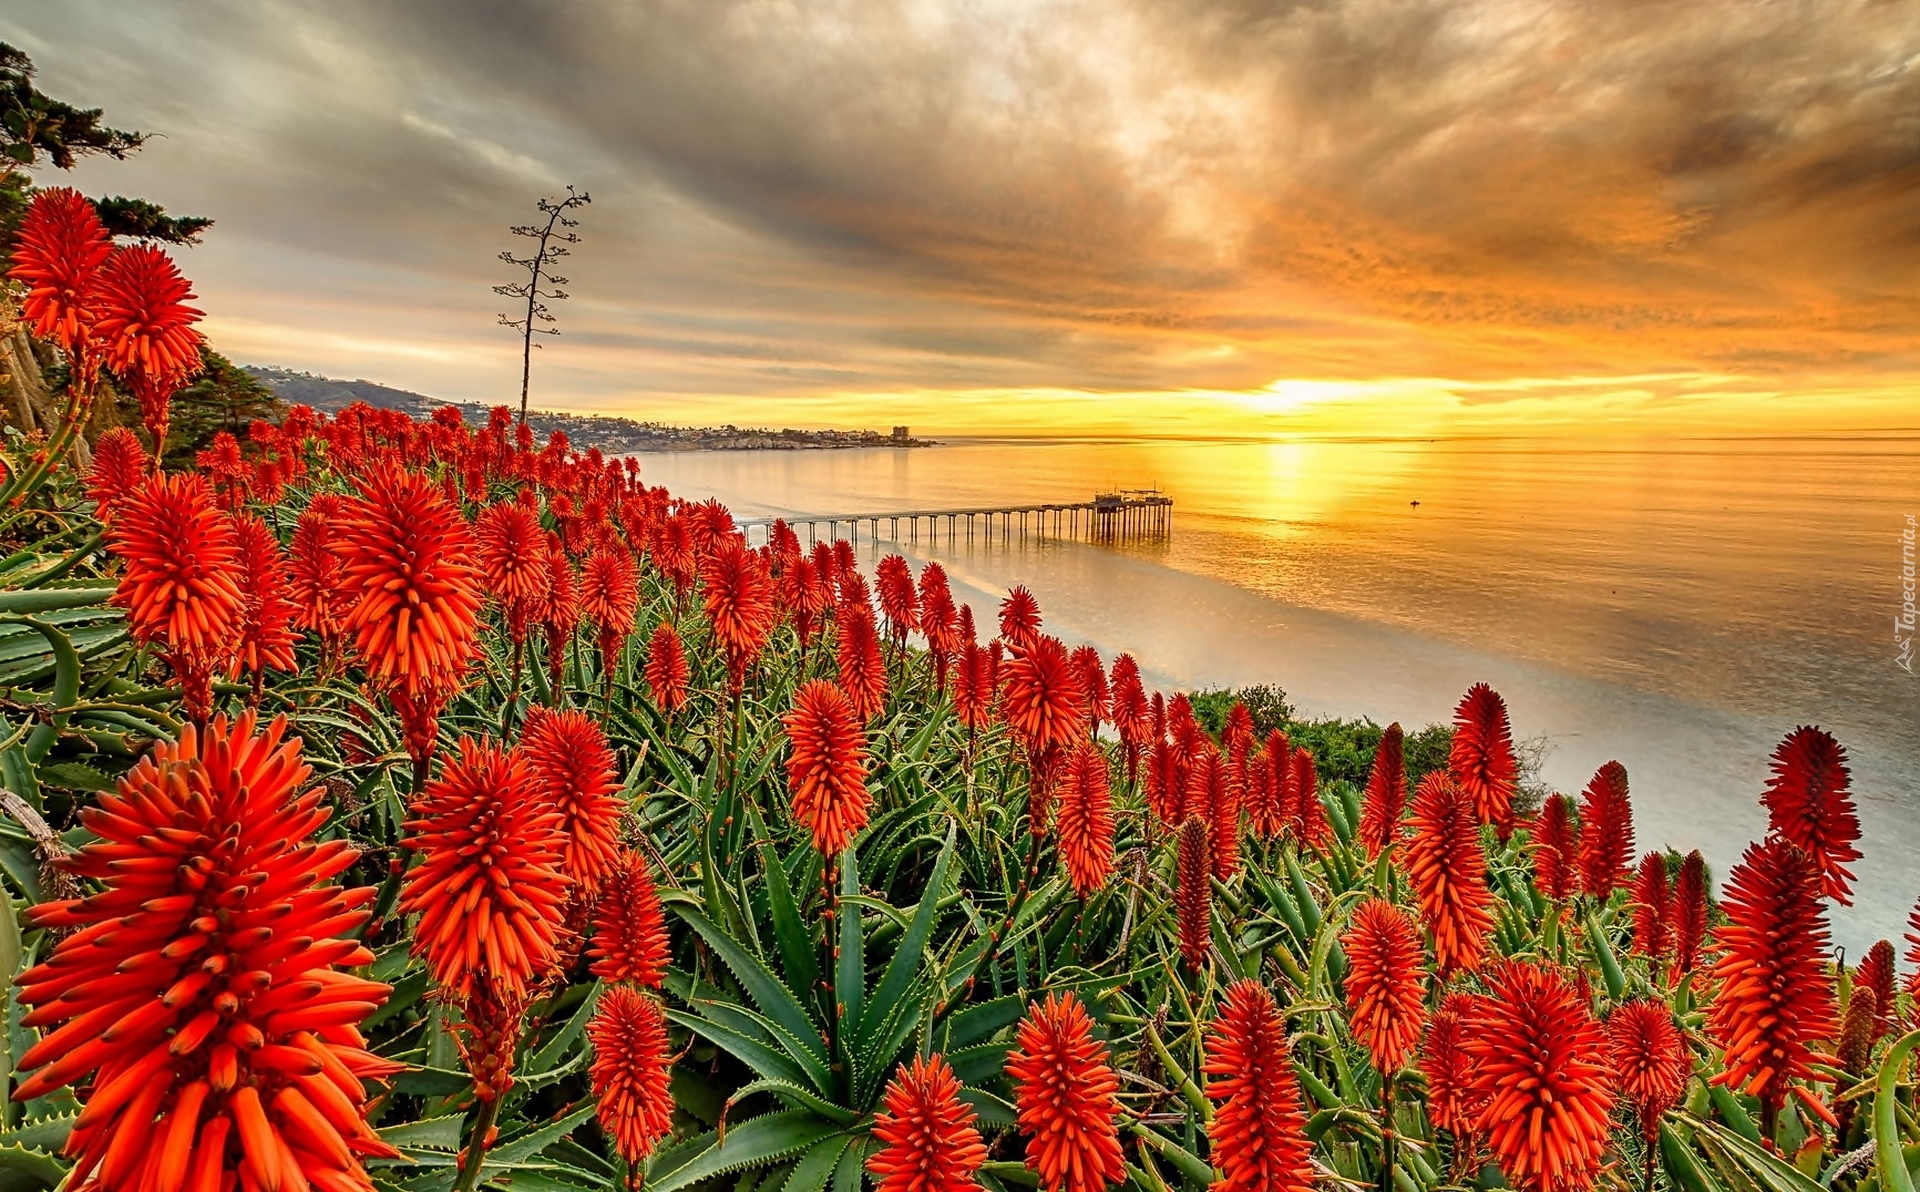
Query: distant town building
[901,434]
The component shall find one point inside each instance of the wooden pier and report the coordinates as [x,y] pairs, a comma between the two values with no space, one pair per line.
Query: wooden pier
[1129,515]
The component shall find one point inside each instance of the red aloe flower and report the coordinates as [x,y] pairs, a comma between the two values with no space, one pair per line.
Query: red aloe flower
[511,549]
[1129,709]
[559,613]
[1876,973]
[1650,1063]
[629,929]
[1223,817]
[1453,1103]
[1166,783]
[862,671]
[1093,682]
[1084,822]
[939,620]
[1482,760]
[143,319]
[1386,992]
[316,572]
[571,767]
[266,612]
[667,671]
[1259,1130]
[975,687]
[1556,849]
[1019,619]
[631,1072]
[927,1139]
[1193,894]
[1808,804]
[1042,700]
[207,864]
[1309,812]
[182,583]
[57,254]
[1270,791]
[899,602]
[1606,832]
[1543,1074]
[1775,999]
[1385,803]
[1855,1051]
[610,596]
[1063,1089]
[827,765]
[408,560]
[1448,871]
[1205,773]
[1652,908]
[119,465]
[740,608]
[488,886]
[1690,914]
[1913,951]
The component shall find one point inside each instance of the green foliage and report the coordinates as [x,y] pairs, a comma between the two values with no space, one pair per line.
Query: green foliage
[1342,749]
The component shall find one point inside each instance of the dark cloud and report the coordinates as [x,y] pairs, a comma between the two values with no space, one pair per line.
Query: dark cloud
[897,194]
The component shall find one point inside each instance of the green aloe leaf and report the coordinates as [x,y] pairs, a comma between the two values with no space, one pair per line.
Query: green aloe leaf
[755,1143]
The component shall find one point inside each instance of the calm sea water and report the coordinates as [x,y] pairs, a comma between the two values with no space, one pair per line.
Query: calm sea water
[1678,606]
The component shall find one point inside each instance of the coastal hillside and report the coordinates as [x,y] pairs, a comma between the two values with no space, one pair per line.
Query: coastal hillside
[613,435]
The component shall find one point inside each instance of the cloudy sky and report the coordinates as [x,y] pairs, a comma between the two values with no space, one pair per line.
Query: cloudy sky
[1172,215]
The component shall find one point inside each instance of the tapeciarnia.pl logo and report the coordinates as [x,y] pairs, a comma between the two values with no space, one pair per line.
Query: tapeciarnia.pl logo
[1903,622]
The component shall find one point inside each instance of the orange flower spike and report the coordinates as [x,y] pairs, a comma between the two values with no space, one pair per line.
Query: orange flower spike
[1606,832]
[573,770]
[1775,999]
[57,255]
[147,328]
[1316,830]
[610,597]
[1482,759]
[1385,802]
[1386,992]
[1259,1130]
[1652,908]
[1093,685]
[408,562]
[899,600]
[827,766]
[1556,849]
[1043,701]
[1448,871]
[1650,1063]
[182,583]
[861,669]
[488,884]
[631,1072]
[214,830]
[511,549]
[1690,914]
[928,1142]
[1452,1102]
[119,465]
[1084,820]
[1876,973]
[667,671]
[1544,1075]
[316,572]
[1019,619]
[267,612]
[629,928]
[740,604]
[1193,894]
[1064,1092]
[1809,804]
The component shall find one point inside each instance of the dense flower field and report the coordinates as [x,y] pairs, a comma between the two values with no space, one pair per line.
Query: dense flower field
[411,805]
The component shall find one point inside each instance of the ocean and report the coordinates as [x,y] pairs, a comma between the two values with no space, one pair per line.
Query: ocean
[1677,605]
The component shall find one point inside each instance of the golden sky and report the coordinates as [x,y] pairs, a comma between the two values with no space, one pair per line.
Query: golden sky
[1022,216]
